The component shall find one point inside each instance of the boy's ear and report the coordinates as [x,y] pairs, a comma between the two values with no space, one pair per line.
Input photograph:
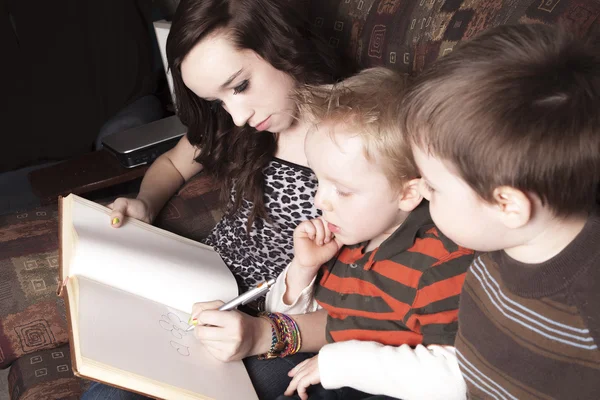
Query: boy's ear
[410,196]
[515,206]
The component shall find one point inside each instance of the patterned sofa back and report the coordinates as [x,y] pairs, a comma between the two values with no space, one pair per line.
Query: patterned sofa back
[408,35]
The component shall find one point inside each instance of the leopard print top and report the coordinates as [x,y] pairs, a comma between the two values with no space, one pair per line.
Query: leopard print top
[268,248]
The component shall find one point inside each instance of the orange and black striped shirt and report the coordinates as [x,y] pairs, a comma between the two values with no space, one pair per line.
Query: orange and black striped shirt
[405,291]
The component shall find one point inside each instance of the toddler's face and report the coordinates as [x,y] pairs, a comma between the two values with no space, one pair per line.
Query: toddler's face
[456,209]
[355,196]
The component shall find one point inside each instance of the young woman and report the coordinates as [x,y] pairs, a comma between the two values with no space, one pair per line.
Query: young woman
[234,65]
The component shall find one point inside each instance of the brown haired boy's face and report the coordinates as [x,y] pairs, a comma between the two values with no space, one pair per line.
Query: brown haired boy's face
[456,209]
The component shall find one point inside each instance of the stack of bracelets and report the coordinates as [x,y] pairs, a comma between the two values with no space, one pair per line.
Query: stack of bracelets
[286,339]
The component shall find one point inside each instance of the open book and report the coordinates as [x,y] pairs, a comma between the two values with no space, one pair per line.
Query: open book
[129,292]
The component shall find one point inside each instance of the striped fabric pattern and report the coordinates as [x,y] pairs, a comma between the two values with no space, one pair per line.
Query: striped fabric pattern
[404,292]
[523,346]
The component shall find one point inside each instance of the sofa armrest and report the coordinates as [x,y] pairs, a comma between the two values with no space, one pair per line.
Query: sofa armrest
[194,210]
[83,174]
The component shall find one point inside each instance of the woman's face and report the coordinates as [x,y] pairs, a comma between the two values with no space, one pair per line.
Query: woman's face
[250,89]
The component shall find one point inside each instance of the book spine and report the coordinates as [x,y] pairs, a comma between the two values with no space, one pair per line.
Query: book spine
[61,285]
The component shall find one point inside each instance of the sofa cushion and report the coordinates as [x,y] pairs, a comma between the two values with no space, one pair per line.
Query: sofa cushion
[193,211]
[31,316]
[409,35]
[45,374]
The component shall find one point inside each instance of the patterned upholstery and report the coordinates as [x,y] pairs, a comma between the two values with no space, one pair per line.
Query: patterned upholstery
[32,317]
[194,211]
[45,374]
[406,35]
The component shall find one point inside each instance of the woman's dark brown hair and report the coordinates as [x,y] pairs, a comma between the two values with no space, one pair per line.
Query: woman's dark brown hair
[274,30]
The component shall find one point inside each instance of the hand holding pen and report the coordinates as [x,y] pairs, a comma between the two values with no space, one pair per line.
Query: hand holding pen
[242,299]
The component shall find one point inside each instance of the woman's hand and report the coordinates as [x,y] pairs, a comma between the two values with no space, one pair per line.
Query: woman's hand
[303,375]
[314,245]
[230,335]
[133,208]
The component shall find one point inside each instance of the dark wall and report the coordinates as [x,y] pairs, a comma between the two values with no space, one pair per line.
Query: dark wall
[65,68]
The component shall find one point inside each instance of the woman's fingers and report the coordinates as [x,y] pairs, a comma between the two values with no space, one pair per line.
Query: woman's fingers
[119,209]
[225,332]
[198,308]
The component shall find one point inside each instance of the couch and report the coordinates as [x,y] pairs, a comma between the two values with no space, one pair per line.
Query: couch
[405,35]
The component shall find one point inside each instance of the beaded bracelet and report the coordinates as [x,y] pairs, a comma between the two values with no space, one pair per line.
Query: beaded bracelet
[286,338]
[295,342]
[276,343]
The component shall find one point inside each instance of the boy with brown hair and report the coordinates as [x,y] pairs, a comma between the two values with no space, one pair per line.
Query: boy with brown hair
[505,131]
[374,261]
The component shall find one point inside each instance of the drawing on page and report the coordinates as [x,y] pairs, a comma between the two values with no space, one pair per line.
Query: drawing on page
[181,349]
[172,323]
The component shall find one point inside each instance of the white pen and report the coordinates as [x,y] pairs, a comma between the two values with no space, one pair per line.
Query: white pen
[244,298]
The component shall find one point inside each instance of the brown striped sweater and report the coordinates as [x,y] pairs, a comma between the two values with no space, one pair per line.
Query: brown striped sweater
[404,292]
[532,331]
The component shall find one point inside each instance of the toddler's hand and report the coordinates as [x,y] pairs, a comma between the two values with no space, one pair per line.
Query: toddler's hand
[314,244]
[133,208]
[303,375]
